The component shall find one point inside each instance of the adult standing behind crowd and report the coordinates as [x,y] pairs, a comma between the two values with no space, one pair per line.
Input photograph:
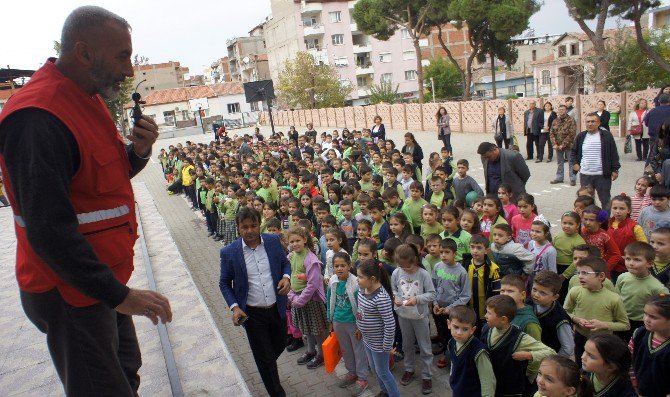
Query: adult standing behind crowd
[378,131]
[638,130]
[255,274]
[303,150]
[443,127]
[603,115]
[547,117]
[531,128]
[503,129]
[570,106]
[664,90]
[75,255]
[654,119]
[311,132]
[293,135]
[503,166]
[595,156]
[412,147]
[563,132]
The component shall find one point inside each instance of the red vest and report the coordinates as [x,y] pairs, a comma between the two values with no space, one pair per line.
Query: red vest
[100,190]
[622,236]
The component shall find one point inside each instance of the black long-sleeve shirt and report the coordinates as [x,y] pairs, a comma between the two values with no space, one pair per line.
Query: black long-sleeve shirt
[42,156]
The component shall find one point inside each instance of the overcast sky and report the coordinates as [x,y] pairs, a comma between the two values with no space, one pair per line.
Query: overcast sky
[191,32]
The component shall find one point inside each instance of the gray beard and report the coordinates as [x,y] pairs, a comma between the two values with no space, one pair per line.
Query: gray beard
[104,83]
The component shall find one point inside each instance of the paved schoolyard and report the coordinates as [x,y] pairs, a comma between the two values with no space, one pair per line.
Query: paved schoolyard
[201,253]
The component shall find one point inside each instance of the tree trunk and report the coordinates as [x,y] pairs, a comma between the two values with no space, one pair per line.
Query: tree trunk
[452,59]
[468,77]
[493,76]
[419,67]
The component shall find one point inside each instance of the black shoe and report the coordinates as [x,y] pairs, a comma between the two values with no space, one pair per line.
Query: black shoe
[305,358]
[295,344]
[555,182]
[316,362]
[438,348]
[529,158]
[538,160]
[210,234]
[573,183]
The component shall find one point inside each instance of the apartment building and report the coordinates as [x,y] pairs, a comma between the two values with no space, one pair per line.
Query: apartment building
[326,30]
[218,72]
[160,76]
[247,57]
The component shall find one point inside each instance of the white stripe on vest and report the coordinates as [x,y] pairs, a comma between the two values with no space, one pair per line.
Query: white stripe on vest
[89,217]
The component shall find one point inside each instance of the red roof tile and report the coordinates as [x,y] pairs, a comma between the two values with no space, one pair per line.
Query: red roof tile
[183,94]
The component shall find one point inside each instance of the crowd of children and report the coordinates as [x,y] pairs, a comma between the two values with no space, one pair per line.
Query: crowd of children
[380,258]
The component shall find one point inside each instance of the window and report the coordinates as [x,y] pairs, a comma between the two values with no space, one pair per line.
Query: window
[309,21]
[574,49]
[410,74]
[408,55]
[546,77]
[335,16]
[362,81]
[234,107]
[169,117]
[404,33]
[338,39]
[312,44]
[345,82]
[185,115]
[561,51]
[254,106]
[385,57]
[534,55]
[386,78]
[511,90]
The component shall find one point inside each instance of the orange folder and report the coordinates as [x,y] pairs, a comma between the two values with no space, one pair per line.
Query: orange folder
[332,354]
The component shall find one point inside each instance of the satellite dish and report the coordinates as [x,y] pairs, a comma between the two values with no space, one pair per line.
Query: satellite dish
[245,60]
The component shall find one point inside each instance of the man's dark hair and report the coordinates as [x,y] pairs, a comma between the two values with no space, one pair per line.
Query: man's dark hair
[247,213]
[82,21]
[485,147]
[664,99]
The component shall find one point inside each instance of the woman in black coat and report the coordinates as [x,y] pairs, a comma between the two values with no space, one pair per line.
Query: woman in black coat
[604,115]
[412,147]
[664,90]
[378,131]
[293,135]
[546,118]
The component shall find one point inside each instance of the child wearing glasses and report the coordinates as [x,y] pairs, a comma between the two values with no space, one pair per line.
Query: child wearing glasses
[591,307]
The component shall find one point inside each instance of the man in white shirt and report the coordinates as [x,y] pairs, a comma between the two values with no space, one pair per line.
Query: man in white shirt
[595,156]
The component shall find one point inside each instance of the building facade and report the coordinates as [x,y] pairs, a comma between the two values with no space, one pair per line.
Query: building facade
[327,30]
[247,57]
[160,76]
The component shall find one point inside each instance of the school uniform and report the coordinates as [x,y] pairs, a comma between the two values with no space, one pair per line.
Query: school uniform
[651,365]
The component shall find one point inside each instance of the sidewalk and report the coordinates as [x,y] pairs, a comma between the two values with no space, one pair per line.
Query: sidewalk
[204,364]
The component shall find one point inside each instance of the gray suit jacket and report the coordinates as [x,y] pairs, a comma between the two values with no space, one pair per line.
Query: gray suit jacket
[537,123]
[513,170]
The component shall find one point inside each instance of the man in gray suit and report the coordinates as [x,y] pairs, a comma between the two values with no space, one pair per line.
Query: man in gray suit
[503,166]
[532,125]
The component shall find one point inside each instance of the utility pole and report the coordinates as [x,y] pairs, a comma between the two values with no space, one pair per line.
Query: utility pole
[432,88]
[525,86]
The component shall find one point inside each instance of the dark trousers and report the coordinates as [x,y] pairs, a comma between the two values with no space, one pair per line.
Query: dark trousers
[500,142]
[175,187]
[626,335]
[191,193]
[266,332]
[446,139]
[543,140]
[211,217]
[443,332]
[602,185]
[580,341]
[642,148]
[94,348]
[531,141]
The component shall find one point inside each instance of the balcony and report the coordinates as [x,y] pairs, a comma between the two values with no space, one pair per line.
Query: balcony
[307,8]
[366,69]
[354,28]
[314,30]
[363,92]
[319,55]
[364,47]
[352,3]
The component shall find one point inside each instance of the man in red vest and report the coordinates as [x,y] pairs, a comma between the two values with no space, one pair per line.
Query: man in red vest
[67,174]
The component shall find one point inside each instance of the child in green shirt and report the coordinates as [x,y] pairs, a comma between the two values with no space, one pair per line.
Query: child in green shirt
[413,206]
[430,224]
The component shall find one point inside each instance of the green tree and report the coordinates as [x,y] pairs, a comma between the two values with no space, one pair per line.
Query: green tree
[115,106]
[381,19]
[630,67]
[307,85]
[446,77]
[633,10]
[586,10]
[384,92]
[484,19]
